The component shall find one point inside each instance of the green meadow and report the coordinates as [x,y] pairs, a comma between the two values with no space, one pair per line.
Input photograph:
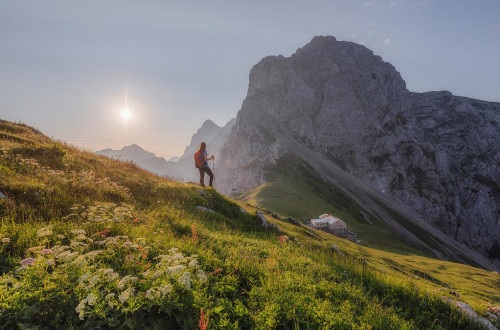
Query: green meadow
[89,242]
[294,190]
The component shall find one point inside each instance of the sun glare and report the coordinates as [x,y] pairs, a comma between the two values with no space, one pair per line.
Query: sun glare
[125,114]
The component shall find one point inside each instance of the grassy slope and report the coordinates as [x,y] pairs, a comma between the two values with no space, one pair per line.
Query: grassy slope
[296,196]
[105,221]
[293,191]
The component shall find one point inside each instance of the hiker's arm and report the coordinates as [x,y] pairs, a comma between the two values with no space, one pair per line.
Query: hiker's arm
[213,157]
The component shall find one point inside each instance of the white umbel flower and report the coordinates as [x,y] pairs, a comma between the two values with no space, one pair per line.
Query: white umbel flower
[108,299]
[44,231]
[185,280]
[126,295]
[80,309]
[175,269]
[126,279]
[166,289]
[202,277]
[91,299]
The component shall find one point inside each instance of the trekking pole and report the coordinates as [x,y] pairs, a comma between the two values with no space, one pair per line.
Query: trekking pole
[213,165]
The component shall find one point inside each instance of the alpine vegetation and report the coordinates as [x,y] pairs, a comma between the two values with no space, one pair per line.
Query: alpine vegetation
[91,242]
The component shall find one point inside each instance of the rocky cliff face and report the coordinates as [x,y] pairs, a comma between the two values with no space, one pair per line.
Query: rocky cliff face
[214,136]
[205,133]
[435,153]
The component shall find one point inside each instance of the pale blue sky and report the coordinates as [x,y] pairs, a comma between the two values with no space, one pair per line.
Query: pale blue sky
[65,66]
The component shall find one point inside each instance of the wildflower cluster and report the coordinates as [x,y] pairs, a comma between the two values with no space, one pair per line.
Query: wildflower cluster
[78,182]
[44,231]
[283,239]
[108,275]
[167,275]
[100,213]
[21,164]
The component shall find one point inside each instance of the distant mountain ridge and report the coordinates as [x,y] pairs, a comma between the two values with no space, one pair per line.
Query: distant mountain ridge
[177,167]
[141,157]
[132,152]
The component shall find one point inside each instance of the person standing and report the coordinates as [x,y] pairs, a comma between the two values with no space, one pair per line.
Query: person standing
[201,161]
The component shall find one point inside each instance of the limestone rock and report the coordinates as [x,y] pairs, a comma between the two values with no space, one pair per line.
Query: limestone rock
[204,209]
[467,310]
[265,223]
[436,154]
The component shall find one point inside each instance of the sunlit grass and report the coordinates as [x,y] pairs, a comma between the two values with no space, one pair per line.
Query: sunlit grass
[107,230]
[382,250]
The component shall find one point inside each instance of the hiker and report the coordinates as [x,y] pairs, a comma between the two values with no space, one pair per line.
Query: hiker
[201,163]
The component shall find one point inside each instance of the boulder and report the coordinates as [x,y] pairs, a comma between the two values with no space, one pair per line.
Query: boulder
[204,209]
[265,223]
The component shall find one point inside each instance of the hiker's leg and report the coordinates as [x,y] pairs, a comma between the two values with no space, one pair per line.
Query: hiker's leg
[209,172]
[202,177]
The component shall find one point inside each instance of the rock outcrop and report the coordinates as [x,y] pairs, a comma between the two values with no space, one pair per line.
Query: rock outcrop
[205,133]
[436,154]
[214,136]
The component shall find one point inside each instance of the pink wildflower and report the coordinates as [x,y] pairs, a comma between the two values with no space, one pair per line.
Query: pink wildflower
[46,251]
[28,261]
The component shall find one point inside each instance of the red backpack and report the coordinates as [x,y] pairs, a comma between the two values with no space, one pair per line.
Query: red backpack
[199,161]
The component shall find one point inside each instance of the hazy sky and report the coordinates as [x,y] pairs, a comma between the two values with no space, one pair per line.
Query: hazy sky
[68,67]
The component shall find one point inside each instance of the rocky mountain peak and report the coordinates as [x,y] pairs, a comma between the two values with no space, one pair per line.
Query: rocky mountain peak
[434,153]
[205,133]
[324,83]
[133,147]
[208,125]
[319,46]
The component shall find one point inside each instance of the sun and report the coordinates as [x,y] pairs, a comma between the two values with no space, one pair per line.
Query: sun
[125,114]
